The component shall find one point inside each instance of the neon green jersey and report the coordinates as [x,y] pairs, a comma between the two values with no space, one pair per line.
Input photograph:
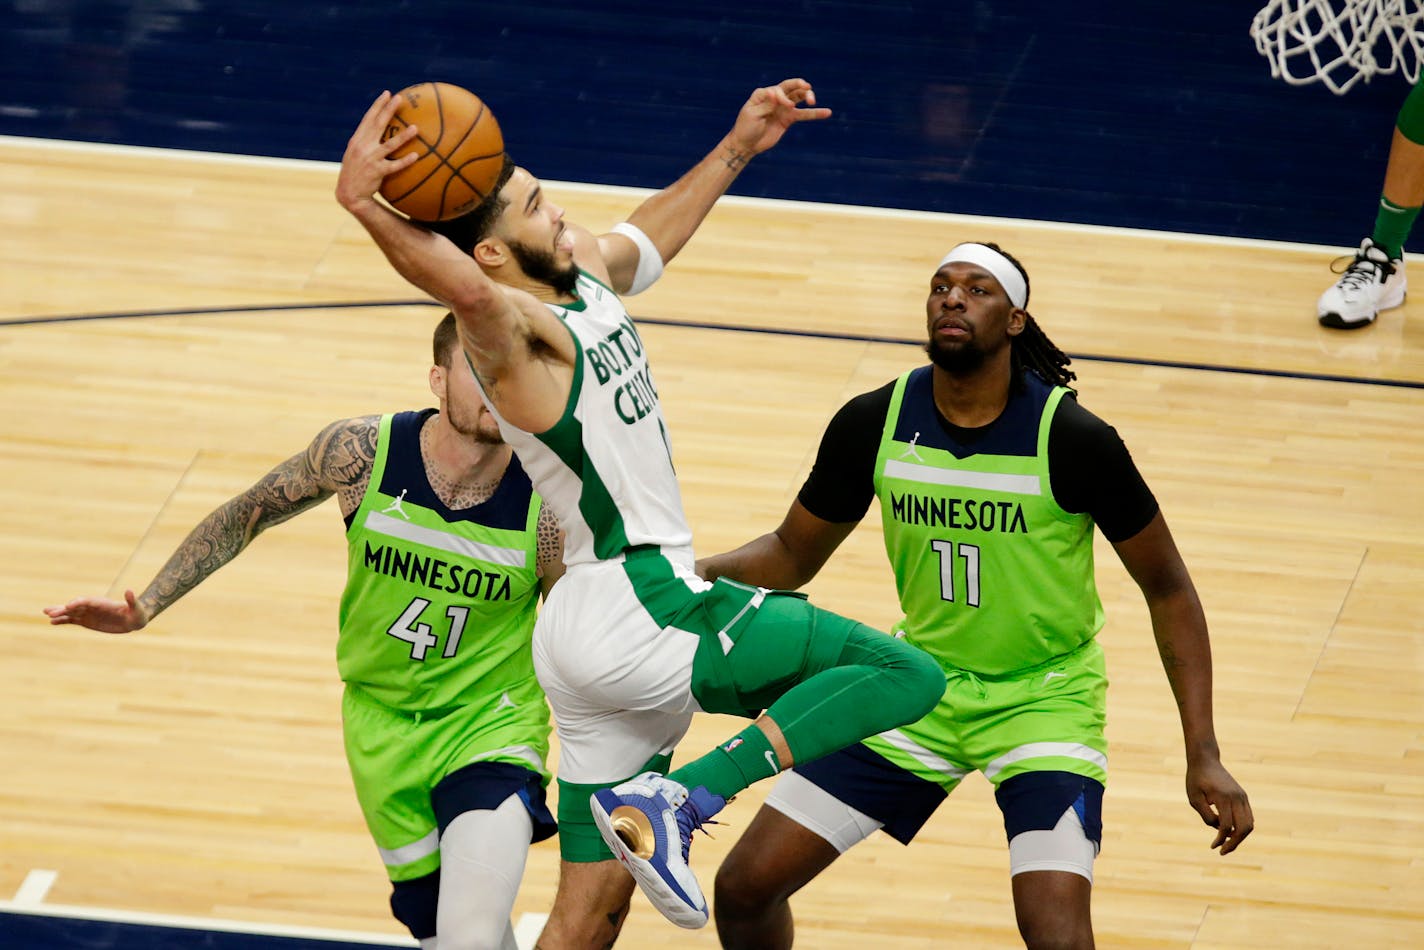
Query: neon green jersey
[439,605]
[994,577]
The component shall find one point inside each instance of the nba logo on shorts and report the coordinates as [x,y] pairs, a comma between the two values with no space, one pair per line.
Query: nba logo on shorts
[732,745]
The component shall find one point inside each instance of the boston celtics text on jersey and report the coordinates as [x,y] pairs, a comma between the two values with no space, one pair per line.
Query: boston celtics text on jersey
[614,356]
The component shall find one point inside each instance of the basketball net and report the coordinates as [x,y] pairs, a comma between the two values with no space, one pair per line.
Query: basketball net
[1308,41]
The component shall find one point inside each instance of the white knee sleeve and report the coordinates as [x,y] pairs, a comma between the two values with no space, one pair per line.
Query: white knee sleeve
[816,809]
[1063,848]
[482,857]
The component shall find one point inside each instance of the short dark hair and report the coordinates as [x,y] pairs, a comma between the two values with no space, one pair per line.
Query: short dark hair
[447,340]
[474,226]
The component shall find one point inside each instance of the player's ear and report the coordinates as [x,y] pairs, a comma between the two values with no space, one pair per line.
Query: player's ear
[491,252]
[437,382]
[1018,317]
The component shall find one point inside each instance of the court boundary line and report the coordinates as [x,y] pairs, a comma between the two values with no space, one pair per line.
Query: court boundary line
[527,926]
[733,328]
[184,922]
[311,164]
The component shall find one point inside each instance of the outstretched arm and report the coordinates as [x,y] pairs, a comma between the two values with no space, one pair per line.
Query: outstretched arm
[785,559]
[1179,626]
[338,460]
[670,217]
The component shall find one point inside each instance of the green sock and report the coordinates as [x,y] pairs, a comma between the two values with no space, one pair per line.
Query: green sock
[1392,227]
[746,758]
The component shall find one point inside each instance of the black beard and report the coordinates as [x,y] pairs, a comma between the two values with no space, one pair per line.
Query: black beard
[957,361]
[539,265]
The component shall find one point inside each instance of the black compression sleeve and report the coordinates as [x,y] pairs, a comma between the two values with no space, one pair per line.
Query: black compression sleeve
[1092,471]
[842,482]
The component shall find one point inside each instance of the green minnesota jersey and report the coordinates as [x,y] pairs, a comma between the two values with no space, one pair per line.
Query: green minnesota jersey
[439,605]
[994,577]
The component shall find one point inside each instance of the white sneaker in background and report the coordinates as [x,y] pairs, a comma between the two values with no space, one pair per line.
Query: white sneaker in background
[1373,282]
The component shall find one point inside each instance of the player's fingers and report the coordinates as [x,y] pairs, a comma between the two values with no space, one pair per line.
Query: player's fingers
[382,102]
[806,114]
[130,599]
[1242,824]
[799,91]
[398,141]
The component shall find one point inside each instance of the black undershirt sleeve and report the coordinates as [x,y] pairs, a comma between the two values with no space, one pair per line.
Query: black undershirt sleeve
[841,485]
[1091,471]
[1089,467]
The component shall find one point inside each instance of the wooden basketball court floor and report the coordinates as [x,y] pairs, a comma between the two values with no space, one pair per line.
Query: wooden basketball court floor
[177,324]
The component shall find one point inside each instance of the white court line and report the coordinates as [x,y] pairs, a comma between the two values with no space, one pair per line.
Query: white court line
[742,200]
[34,887]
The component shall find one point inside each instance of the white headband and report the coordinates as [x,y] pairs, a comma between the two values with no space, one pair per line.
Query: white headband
[995,263]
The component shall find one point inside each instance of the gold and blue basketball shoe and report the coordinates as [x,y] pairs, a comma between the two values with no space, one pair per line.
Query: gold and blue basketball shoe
[648,823]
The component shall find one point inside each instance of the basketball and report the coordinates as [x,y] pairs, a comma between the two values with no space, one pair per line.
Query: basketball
[460,147]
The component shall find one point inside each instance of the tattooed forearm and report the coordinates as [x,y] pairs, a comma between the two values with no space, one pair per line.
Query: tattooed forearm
[735,159]
[338,459]
[283,492]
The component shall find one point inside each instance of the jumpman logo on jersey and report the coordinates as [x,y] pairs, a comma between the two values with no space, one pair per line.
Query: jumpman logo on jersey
[910,450]
[506,703]
[396,506]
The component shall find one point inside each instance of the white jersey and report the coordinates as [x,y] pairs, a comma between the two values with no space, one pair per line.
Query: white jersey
[605,468]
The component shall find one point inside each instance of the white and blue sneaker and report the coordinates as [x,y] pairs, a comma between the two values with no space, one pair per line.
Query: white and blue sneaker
[648,823]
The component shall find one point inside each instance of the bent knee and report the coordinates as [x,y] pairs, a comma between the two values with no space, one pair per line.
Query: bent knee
[742,890]
[927,681]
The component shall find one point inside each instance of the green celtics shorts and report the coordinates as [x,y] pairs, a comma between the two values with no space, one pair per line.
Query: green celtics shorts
[398,759]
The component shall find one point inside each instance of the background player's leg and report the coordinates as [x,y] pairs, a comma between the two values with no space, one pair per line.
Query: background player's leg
[590,905]
[1054,909]
[772,860]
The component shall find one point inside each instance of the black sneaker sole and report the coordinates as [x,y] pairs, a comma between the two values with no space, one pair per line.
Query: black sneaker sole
[1333,321]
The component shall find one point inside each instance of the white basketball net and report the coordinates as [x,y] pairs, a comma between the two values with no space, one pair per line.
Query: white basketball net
[1309,41]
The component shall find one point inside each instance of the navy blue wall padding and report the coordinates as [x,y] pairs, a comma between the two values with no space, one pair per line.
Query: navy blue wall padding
[1147,115]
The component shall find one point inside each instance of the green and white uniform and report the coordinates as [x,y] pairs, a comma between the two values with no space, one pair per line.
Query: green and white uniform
[619,683]
[630,642]
[435,628]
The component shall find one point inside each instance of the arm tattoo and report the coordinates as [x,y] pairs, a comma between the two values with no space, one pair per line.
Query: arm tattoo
[735,160]
[340,458]
[551,540]
[289,489]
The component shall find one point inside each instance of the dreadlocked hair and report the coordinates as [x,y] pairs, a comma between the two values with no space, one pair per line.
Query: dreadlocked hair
[1032,350]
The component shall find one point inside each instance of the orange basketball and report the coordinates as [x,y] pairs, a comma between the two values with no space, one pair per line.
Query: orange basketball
[460,147]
